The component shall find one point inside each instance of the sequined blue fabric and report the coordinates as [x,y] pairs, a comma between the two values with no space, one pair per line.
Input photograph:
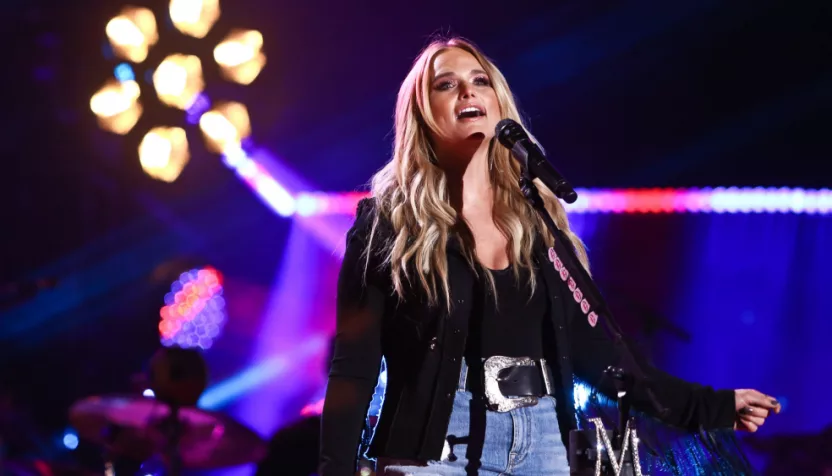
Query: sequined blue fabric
[665,450]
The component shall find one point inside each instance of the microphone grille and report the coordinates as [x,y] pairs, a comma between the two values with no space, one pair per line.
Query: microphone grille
[508,132]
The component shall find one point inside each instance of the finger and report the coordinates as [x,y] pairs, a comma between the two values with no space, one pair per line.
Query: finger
[747,426]
[762,400]
[753,419]
[756,411]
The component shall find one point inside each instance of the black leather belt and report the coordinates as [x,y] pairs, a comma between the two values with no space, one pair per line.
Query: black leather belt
[513,380]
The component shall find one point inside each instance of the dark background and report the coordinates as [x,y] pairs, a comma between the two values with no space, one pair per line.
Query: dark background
[624,95]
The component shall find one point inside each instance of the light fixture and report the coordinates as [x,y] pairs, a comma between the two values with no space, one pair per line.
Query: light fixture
[132,33]
[179,83]
[116,105]
[240,57]
[194,17]
[178,80]
[163,152]
[194,311]
[225,126]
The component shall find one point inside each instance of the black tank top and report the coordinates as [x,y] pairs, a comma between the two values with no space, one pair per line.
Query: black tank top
[515,328]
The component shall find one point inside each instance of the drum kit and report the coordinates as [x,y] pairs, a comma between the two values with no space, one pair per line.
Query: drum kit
[166,431]
[144,428]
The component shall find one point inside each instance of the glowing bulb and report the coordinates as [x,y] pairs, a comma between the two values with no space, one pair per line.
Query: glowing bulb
[108,103]
[238,47]
[70,440]
[116,106]
[155,151]
[132,33]
[122,31]
[163,152]
[239,56]
[178,80]
[194,17]
[233,54]
[225,126]
[172,78]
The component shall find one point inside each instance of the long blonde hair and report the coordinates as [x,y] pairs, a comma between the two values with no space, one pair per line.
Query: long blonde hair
[411,191]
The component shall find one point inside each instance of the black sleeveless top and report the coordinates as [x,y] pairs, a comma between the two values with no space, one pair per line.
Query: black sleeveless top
[513,326]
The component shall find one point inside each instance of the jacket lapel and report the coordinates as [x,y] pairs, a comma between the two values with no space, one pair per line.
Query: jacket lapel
[558,316]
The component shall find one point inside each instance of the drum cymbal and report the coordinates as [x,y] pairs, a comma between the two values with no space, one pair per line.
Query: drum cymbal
[138,427]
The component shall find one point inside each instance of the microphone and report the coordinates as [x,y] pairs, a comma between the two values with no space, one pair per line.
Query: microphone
[514,137]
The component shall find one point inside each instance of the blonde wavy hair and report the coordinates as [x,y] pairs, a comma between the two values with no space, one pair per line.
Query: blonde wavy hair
[411,192]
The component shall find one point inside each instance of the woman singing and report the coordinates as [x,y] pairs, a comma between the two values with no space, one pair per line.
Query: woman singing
[446,274]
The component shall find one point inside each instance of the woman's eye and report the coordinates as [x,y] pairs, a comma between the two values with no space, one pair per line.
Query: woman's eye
[444,85]
[482,81]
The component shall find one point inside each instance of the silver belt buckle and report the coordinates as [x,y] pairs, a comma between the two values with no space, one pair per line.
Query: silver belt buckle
[496,400]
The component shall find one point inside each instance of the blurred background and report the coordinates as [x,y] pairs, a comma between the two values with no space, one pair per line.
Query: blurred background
[184,173]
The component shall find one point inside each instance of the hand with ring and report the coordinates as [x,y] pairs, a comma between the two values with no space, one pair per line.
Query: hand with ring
[753,408]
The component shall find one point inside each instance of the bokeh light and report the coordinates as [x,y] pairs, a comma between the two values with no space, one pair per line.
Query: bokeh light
[163,152]
[178,80]
[240,57]
[225,126]
[693,200]
[132,33]
[116,105]
[179,83]
[124,72]
[194,311]
[70,440]
[194,17]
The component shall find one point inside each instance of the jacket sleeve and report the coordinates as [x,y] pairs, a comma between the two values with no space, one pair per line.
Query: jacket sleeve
[689,406]
[356,357]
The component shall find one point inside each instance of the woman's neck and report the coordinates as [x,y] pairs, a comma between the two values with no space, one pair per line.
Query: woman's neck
[469,182]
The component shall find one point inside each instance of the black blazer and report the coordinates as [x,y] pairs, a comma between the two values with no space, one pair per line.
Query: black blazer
[423,346]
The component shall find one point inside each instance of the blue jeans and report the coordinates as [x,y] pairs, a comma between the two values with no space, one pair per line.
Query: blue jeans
[522,442]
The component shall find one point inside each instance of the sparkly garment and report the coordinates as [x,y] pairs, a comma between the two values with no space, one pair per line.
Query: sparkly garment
[665,450]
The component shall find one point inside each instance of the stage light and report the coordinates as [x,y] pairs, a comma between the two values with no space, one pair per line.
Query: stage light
[132,33]
[319,203]
[70,440]
[194,17]
[259,373]
[198,107]
[194,311]
[255,175]
[225,126]
[581,394]
[124,72]
[239,56]
[149,393]
[178,80]
[706,200]
[164,152]
[179,83]
[117,106]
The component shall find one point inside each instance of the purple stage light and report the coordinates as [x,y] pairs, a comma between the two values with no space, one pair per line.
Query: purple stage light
[194,310]
[706,200]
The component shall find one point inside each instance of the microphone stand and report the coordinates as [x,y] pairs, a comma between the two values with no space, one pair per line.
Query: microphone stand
[174,436]
[625,377]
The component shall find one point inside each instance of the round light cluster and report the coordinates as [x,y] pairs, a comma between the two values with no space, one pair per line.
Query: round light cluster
[194,310]
[178,82]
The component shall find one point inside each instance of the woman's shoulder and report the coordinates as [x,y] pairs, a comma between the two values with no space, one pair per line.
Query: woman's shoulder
[366,212]
[366,209]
